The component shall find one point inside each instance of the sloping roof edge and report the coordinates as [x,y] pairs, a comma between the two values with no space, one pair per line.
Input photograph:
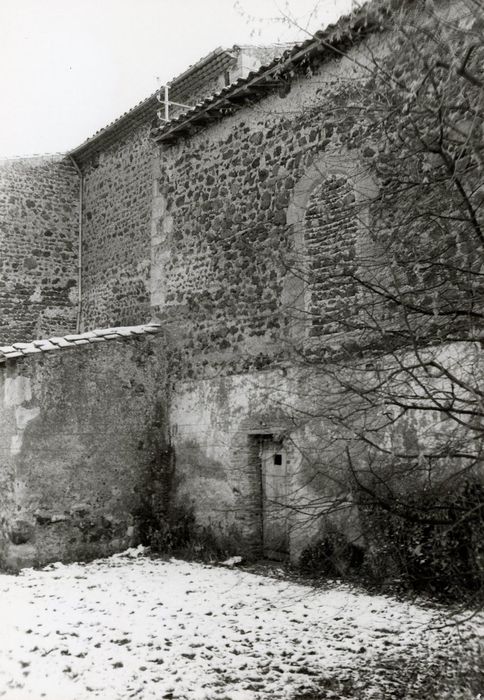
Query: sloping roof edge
[16,351]
[144,109]
[279,73]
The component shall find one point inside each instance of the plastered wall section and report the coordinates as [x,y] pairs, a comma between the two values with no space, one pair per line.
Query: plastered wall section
[80,431]
[214,424]
[38,240]
[210,425]
[215,427]
[116,233]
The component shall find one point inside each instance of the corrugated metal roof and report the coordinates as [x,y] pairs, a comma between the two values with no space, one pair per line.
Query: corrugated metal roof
[18,350]
[278,74]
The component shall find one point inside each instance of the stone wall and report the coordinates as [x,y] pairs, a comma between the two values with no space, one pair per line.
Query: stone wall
[116,250]
[38,239]
[232,223]
[280,221]
[245,240]
[116,233]
[80,432]
[271,230]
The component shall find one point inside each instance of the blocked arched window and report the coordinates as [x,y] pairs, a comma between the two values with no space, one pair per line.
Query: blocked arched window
[330,230]
[329,213]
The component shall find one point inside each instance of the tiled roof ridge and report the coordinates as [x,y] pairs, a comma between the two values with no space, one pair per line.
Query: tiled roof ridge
[37,157]
[277,44]
[277,73]
[150,104]
[152,98]
[73,340]
[200,63]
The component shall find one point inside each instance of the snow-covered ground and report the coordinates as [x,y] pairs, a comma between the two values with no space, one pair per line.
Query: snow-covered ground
[132,627]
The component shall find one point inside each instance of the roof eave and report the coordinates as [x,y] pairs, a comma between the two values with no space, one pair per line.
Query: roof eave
[263,82]
[335,40]
[142,112]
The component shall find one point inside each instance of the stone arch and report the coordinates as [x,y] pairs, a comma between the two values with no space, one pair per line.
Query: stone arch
[296,297]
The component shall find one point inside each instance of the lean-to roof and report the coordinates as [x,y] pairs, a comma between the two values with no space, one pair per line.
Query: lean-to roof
[74,340]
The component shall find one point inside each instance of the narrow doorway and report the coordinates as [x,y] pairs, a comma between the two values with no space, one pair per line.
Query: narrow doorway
[273,477]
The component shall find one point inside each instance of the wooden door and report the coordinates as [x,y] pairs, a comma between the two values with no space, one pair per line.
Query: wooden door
[275,532]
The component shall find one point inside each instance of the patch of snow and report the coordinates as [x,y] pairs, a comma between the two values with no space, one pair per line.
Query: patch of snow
[232,561]
[131,627]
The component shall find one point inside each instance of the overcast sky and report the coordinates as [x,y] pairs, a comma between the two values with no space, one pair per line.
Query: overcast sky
[68,67]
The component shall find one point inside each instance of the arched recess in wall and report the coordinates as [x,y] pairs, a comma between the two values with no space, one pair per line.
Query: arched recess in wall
[329,209]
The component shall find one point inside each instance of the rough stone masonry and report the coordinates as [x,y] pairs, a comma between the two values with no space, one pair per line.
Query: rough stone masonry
[240,227]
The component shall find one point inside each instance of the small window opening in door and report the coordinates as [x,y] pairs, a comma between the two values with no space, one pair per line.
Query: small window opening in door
[278,459]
